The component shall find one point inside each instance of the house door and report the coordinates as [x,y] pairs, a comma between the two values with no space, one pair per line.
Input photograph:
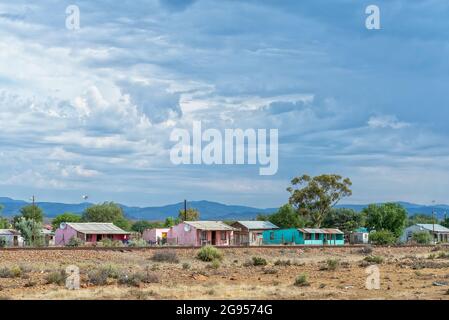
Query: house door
[214,237]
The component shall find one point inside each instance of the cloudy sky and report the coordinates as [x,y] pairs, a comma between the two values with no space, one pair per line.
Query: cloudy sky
[90,111]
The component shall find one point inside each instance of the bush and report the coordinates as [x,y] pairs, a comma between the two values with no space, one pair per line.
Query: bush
[137,243]
[258,261]
[421,237]
[382,237]
[165,256]
[136,278]
[284,263]
[209,253]
[374,259]
[215,264]
[331,265]
[186,266]
[14,272]
[74,242]
[57,277]
[301,281]
[99,277]
[110,243]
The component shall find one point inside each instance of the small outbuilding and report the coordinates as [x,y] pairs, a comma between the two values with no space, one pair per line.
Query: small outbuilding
[156,235]
[89,232]
[359,236]
[437,232]
[250,233]
[12,237]
[304,236]
[200,233]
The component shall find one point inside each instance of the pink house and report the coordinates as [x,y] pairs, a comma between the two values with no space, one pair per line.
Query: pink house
[156,235]
[89,232]
[199,233]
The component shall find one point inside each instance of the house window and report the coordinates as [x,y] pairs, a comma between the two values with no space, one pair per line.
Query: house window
[203,235]
[317,236]
[89,238]
[271,235]
[307,236]
[223,235]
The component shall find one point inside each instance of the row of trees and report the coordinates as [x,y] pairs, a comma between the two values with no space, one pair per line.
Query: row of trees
[312,201]
[30,220]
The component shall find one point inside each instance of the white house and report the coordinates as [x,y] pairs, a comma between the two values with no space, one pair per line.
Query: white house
[437,232]
[12,237]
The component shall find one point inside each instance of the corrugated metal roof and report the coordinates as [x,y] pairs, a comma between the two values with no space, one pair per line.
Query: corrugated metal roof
[210,225]
[430,227]
[96,228]
[9,232]
[316,230]
[258,225]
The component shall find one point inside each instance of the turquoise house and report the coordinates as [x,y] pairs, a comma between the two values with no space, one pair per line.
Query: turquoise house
[304,236]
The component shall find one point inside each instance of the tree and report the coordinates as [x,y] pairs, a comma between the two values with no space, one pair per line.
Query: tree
[382,237]
[31,231]
[346,220]
[141,226]
[388,216]
[421,218]
[32,212]
[65,217]
[314,197]
[106,212]
[4,223]
[285,217]
[170,222]
[422,237]
[189,215]
[445,222]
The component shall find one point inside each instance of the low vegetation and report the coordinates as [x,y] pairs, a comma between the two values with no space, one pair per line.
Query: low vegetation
[374,259]
[258,261]
[56,277]
[301,281]
[209,253]
[165,256]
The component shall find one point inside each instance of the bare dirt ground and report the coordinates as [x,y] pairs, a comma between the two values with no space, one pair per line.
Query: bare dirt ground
[405,273]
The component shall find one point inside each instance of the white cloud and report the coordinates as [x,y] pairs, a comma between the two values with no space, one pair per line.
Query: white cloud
[386,121]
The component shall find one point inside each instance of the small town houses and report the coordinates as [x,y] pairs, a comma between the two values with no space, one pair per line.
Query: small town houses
[216,233]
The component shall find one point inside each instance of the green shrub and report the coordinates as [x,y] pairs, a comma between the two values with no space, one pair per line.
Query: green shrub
[331,265]
[137,243]
[301,281]
[110,243]
[165,256]
[374,259]
[215,264]
[282,263]
[74,242]
[258,261]
[421,237]
[209,253]
[57,277]
[382,237]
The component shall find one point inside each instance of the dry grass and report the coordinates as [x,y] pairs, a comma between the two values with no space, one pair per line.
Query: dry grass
[405,274]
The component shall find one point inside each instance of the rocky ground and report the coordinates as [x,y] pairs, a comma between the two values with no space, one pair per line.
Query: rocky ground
[289,273]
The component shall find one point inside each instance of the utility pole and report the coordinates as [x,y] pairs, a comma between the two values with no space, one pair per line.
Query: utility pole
[433,221]
[185,210]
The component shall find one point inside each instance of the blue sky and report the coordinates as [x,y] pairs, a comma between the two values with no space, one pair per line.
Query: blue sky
[91,111]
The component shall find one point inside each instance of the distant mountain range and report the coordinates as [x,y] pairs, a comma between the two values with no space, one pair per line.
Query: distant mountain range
[208,210]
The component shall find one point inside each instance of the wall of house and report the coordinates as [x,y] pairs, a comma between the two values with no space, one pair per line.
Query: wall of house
[182,237]
[193,237]
[282,236]
[153,235]
[63,236]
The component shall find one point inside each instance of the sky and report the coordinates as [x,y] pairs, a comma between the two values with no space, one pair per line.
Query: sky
[90,111]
